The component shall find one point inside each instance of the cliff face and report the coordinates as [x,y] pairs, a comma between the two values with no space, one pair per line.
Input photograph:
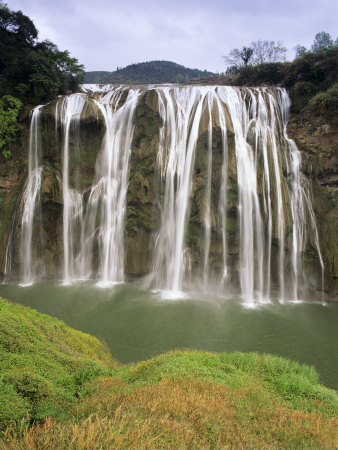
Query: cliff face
[315,138]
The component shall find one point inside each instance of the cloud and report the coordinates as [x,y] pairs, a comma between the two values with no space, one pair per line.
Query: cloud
[107,33]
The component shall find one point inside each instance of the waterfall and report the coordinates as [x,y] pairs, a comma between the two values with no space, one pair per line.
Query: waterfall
[28,205]
[109,192]
[107,199]
[299,199]
[207,218]
[180,110]
[258,120]
[239,137]
[70,112]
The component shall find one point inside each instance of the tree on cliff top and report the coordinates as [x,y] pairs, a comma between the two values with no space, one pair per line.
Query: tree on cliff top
[30,70]
[239,58]
[321,43]
[260,52]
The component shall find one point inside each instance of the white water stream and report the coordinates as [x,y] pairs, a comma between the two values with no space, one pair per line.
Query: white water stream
[28,206]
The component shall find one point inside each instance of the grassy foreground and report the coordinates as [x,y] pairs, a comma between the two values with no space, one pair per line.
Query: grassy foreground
[60,388]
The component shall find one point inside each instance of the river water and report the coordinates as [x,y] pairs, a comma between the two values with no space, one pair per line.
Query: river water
[137,323]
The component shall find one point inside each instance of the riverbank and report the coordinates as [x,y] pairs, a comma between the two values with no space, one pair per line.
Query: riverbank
[59,387]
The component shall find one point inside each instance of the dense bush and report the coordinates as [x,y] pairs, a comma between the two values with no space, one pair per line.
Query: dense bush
[325,103]
[268,73]
[9,110]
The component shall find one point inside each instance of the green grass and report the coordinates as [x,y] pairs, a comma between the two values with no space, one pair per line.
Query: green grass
[43,364]
[61,388]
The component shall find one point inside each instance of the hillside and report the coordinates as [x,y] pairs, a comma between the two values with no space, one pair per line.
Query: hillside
[60,388]
[153,72]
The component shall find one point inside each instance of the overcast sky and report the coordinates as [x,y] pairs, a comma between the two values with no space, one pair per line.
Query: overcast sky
[104,34]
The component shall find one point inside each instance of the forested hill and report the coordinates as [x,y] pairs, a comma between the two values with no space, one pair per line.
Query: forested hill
[147,72]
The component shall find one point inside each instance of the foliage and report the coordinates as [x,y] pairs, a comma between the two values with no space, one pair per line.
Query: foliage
[77,397]
[30,70]
[310,74]
[9,110]
[19,24]
[300,50]
[322,42]
[269,73]
[305,77]
[325,103]
[148,72]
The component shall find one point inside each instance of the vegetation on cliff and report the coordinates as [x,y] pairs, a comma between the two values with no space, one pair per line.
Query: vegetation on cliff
[9,111]
[30,70]
[147,73]
[60,388]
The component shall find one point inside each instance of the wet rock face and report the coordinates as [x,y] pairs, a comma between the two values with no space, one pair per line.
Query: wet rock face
[317,139]
[142,215]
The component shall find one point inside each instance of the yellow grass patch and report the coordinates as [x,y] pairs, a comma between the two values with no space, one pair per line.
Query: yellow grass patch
[180,413]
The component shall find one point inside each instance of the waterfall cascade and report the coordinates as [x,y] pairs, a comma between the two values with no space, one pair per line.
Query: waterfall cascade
[245,140]
[70,112]
[27,208]
[109,192]
[81,230]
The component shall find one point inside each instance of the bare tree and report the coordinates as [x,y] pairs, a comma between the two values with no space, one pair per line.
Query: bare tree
[268,51]
[260,52]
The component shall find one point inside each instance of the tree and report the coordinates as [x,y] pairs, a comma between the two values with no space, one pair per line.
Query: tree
[239,58]
[260,52]
[268,51]
[300,50]
[33,71]
[322,42]
[18,24]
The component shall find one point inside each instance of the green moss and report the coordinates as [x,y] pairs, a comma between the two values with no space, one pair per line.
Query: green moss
[200,193]
[231,225]
[310,255]
[194,236]
[232,194]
